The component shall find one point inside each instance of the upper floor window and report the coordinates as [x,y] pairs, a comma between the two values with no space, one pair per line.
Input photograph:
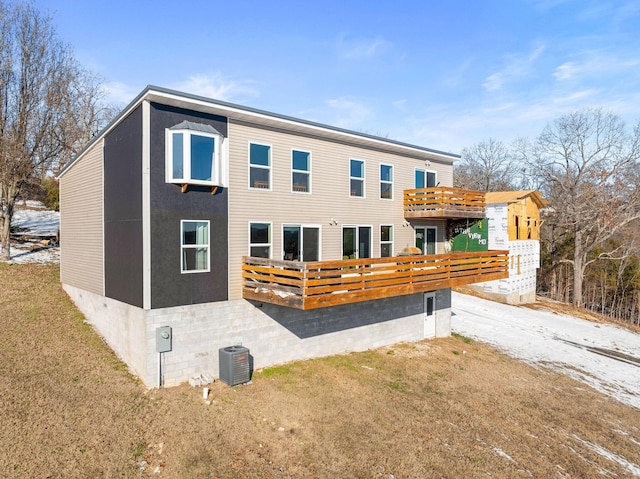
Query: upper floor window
[194,244]
[260,240]
[193,154]
[259,166]
[386,182]
[425,179]
[356,177]
[300,171]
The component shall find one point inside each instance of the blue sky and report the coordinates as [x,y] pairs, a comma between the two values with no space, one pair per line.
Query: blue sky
[440,74]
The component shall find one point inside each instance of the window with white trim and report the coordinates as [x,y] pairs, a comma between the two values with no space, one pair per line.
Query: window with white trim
[194,245]
[386,182]
[386,241]
[425,178]
[259,166]
[300,171]
[356,177]
[193,154]
[260,240]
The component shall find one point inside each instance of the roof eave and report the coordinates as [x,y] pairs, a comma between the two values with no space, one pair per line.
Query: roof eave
[239,112]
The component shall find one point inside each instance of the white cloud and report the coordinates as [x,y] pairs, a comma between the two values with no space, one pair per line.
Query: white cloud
[362,49]
[516,66]
[576,96]
[566,71]
[494,81]
[215,86]
[352,113]
[118,93]
[597,63]
[400,104]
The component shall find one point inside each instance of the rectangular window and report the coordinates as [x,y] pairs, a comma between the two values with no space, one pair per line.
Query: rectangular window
[386,241]
[259,166]
[195,246]
[356,177]
[386,182]
[193,156]
[260,240]
[356,242]
[300,171]
[425,179]
[301,242]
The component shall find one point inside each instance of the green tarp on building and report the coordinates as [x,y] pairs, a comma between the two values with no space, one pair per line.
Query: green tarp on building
[468,235]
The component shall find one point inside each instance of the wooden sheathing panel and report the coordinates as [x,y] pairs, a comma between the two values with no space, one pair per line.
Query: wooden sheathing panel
[329,197]
[329,283]
[81,223]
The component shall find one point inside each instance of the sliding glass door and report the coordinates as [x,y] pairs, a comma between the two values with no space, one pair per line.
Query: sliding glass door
[426,239]
[301,243]
[356,242]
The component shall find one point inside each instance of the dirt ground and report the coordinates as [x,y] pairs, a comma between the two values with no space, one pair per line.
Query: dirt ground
[446,408]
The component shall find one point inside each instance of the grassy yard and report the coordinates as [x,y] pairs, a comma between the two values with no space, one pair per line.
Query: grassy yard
[446,408]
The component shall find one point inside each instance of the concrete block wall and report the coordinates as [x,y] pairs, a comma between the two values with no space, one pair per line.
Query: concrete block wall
[443,313]
[122,326]
[273,334]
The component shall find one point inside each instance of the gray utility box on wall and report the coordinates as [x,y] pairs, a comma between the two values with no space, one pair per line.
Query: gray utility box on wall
[234,365]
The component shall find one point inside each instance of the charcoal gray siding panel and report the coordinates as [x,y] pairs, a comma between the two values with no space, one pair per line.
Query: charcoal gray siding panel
[81,223]
[123,210]
[168,205]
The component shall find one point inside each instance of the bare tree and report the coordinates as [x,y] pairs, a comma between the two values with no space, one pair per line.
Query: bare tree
[48,104]
[485,166]
[588,162]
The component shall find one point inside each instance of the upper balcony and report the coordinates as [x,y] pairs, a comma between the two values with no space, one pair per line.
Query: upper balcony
[443,202]
[320,284]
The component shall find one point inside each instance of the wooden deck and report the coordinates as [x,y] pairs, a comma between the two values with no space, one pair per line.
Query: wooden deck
[320,284]
[443,202]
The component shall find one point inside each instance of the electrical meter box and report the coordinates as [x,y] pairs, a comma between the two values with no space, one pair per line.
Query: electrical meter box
[163,339]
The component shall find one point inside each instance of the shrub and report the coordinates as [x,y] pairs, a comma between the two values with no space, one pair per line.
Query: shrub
[52,193]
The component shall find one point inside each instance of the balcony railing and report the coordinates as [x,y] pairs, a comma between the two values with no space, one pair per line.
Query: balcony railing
[443,202]
[319,284]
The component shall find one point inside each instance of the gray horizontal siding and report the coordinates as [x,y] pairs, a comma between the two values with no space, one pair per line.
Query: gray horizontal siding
[81,223]
[329,198]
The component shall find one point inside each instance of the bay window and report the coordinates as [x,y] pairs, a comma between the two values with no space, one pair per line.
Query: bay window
[193,154]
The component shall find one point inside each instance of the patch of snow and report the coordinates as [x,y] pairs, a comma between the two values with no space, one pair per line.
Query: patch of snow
[23,253]
[40,222]
[37,222]
[33,204]
[545,338]
[629,466]
[625,433]
[500,452]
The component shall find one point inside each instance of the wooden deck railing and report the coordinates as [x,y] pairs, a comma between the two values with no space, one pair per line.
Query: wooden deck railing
[443,202]
[318,284]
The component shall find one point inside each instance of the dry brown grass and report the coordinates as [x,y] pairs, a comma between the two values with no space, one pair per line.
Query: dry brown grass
[446,408]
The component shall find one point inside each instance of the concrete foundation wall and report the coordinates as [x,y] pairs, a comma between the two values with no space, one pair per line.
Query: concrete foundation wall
[443,313]
[121,325]
[273,334]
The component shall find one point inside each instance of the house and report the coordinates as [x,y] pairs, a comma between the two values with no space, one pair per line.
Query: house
[513,223]
[214,225]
